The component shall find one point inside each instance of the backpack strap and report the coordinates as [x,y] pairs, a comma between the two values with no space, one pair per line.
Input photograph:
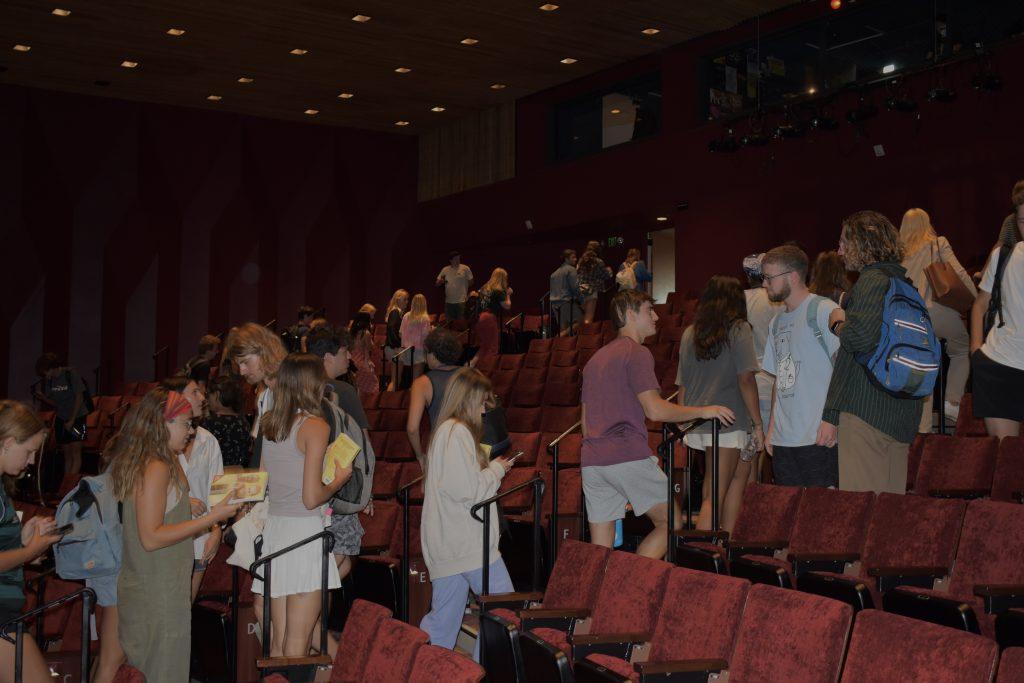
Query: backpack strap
[812,322]
[997,285]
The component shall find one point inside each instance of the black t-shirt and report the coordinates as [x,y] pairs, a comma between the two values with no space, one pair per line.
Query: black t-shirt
[233,434]
[348,400]
[394,323]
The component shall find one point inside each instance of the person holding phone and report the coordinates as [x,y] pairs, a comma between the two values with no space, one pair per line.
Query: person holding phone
[458,477]
[22,435]
[153,589]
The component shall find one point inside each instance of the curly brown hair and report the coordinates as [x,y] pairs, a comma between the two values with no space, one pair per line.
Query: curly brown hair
[869,237]
[722,304]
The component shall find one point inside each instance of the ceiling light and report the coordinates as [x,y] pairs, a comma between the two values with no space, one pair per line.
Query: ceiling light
[548,7]
[651,31]
[662,219]
[22,48]
[58,12]
[401,123]
[214,98]
[469,41]
[298,51]
[568,60]
[812,90]
[312,112]
[129,64]
[437,109]
[616,111]
[361,18]
[175,32]
[498,86]
[244,79]
[402,70]
[888,68]
[345,96]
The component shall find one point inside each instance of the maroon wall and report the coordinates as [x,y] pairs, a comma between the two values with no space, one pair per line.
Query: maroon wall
[958,161]
[128,227]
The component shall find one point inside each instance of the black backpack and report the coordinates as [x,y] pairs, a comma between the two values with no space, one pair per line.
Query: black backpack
[995,302]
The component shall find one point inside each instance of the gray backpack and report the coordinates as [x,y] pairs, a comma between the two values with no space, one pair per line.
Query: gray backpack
[355,494]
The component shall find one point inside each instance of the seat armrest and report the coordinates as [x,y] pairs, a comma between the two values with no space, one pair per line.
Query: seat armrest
[373,549]
[282,662]
[561,619]
[767,547]
[920,577]
[1000,597]
[965,494]
[505,599]
[602,638]
[681,666]
[685,535]
[823,557]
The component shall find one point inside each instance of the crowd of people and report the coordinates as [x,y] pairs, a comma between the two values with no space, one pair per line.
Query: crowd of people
[781,365]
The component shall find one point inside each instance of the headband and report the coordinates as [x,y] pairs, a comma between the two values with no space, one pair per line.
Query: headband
[175,406]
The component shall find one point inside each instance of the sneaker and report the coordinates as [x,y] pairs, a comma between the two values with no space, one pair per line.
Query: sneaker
[951,411]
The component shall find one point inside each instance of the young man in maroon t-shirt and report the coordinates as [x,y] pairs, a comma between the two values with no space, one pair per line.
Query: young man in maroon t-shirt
[620,389]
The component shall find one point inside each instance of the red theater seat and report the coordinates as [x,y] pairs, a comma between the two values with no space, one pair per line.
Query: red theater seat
[957,466]
[436,665]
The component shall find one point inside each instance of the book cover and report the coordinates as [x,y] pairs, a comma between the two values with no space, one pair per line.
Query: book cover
[243,487]
[340,454]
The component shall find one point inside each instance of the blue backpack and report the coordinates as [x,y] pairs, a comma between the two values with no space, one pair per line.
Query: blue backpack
[93,548]
[908,356]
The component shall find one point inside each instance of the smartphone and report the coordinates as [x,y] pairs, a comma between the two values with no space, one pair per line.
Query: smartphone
[63,530]
[515,457]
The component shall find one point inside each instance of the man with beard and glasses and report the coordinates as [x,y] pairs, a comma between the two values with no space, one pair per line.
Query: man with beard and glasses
[799,352]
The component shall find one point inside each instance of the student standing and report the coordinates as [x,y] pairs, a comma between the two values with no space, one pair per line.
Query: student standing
[565,296]
[427,393]
[620,390]
[457,279]
[226,421]
[22,435]
[393,319]
[415,328]
[361,352]
[798,353]
[153,588]
[458,477]
[63,390]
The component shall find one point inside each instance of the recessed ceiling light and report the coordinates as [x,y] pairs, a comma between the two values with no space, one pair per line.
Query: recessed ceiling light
[345,96]
[548,7]
[568,60]
[175,32]
[298,51]
[244,79]
[129,64]
[437,109]
[361,18]
[616,111]
[402,70]
[401,123]
[58,12]
[469,41]
[651,31]
[22,48]
[498,86]
[214,98]
[312,112]
[812,90]
[662,219]
[888,68]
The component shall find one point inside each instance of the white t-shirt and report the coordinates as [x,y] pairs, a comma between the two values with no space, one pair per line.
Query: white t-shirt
[760,311]
[201,467]
[1005,345]
[456,283]
[802,372]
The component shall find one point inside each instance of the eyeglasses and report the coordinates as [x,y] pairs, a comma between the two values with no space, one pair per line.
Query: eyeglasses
[769,278]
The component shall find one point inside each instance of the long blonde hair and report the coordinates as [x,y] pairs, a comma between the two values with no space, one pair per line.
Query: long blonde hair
[916,230]
[466,389]
[144,437]
[299,388]
[393,305]
[257,340]
[418,309]
[499,280]
[18,421]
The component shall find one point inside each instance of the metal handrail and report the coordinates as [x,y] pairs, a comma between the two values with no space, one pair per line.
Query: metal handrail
[512,319]
[328,541]
[942,388]
[88,600]
[667,450]
[159,351]
[271,324]
[485,587]
[403,495]
[553,452]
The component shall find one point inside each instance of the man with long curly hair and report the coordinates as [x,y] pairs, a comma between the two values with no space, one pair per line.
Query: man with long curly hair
[874,427]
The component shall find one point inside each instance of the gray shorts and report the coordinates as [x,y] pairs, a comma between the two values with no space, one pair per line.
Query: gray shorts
[348,534]
[607,489]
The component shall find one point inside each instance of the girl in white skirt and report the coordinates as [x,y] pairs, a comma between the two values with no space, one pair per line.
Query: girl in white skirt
[294,442]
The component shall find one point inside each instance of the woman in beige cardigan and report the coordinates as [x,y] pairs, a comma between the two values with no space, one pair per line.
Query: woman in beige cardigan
[923,247]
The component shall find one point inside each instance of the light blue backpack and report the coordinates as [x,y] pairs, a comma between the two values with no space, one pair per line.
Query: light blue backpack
[93,547]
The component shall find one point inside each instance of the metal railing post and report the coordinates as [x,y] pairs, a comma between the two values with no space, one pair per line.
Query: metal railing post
[267,593]
[328,544]
[715,428]
[233,666]
[404,562]
[942,387]
[670,553]
[538,497]
[553,526]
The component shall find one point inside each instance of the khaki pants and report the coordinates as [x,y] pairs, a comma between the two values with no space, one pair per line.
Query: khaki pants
[868,459]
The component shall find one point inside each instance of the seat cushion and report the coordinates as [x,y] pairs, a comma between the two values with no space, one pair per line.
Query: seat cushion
[553,636]
[506,614]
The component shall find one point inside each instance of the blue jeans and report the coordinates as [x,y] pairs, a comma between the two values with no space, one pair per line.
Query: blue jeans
[448,605]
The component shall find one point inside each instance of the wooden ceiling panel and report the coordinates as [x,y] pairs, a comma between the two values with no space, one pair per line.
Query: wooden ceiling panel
[519,46]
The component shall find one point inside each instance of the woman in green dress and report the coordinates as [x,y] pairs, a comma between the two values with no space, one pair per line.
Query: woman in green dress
[154,586]
[22,435]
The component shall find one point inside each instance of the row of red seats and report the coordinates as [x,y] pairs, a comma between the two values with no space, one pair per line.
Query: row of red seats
[612,616]
[934,558]
[966,467]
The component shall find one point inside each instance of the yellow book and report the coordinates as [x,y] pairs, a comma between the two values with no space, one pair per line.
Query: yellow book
[247,486]
[340,454]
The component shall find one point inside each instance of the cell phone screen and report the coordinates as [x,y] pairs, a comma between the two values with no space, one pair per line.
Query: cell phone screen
[64,530]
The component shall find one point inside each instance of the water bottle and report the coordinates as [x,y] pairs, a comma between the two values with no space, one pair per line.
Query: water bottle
[747,453]
[618,534]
